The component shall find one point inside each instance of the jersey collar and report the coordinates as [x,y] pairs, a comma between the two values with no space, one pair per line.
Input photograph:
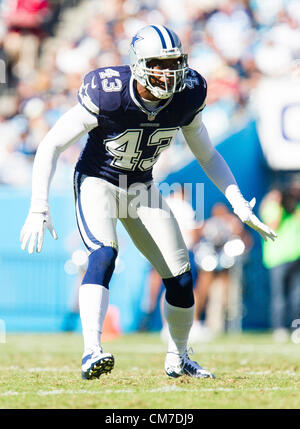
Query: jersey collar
[151,114]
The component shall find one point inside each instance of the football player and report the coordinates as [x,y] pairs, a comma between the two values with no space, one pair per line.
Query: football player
[131,114]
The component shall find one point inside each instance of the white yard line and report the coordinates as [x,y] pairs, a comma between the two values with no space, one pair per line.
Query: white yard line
[290,349]
[208,348]
[269,372]
[39,369]
[48,369]
[164,389]
[77,370]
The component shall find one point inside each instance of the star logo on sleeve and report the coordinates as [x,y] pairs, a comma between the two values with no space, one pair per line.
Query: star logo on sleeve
[86,100]
[83,90]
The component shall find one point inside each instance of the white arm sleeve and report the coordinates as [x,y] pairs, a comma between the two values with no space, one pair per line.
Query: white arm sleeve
[70,127]
[218,171]
[212,163]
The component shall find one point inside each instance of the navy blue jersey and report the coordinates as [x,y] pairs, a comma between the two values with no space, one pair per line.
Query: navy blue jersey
[129,137]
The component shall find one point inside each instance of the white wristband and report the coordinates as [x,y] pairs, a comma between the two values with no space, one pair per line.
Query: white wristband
[234,196]
[39,206]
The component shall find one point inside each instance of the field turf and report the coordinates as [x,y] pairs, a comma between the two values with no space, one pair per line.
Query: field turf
[42,371]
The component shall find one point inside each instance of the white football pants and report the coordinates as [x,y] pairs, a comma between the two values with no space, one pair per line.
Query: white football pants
[143,212]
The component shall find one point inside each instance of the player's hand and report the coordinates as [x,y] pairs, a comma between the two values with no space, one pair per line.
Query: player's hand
[33,231]
[244,212]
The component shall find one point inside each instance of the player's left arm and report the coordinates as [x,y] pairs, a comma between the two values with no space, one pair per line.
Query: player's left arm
[220,174]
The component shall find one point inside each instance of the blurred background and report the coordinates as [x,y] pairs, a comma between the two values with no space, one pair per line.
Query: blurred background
[249,53]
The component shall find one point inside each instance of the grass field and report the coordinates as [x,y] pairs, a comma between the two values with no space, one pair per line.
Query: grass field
[43,372]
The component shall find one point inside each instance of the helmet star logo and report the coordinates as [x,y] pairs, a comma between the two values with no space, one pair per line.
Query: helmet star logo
[135,39]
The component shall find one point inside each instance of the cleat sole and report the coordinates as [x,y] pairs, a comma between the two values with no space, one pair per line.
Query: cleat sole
[173,374]
[102,366]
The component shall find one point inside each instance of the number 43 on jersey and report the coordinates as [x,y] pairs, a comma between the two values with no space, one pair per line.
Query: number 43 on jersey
[127,152]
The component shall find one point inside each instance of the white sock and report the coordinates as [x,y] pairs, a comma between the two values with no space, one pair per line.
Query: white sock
[93,304]
[179,322]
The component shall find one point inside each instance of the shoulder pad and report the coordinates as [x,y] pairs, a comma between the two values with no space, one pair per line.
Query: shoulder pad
[112,79]
[102,88]
[198,86]
[195,79]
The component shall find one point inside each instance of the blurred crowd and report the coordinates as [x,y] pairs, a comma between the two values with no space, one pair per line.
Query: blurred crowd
[47,46]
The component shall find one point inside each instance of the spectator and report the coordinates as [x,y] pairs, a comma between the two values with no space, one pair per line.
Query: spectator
[222,240]
[280,209]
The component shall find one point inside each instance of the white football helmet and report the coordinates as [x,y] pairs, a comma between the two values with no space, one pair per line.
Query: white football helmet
[158,42]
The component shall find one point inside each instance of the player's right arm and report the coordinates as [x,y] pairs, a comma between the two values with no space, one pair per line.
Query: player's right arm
[69,128]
